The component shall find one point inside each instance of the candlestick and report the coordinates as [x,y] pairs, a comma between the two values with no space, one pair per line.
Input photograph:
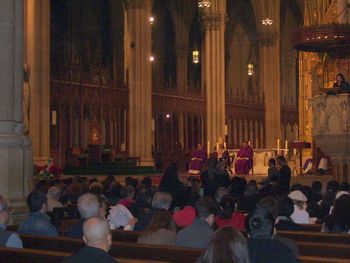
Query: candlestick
[208,148]
[295,151]
[217,146]
[278,146]
[225,145]
[286,144]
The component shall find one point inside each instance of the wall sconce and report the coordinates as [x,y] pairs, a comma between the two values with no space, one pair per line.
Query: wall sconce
[250,69]
[151,20]
[195,56]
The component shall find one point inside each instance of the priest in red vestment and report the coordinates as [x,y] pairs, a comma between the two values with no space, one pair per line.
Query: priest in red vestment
[244,160]
[199,158]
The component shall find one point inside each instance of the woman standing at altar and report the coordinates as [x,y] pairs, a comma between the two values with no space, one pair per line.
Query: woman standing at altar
[223,156]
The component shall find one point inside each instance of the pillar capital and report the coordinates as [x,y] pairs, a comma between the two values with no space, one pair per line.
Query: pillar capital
[211,21]
[138,4]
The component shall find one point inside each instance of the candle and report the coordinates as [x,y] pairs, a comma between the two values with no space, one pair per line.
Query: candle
[208,148]
[295,151]
[225,145]
[217,146]
[54,117]
[286,144]
[249,143]
[278,146]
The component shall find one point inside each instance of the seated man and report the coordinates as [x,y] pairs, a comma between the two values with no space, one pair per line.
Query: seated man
[38,223]
[88,206]
[98,240]
[199,233]
[244,162]
[199,158]
[7,238]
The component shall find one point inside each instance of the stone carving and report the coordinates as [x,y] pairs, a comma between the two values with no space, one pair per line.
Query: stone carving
[322,121]
[345,116]
[211,21]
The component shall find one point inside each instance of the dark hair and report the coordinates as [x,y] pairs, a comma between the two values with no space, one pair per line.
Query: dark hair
[296,187]
[161,219]
[226,245]
[333,186]
[281,158]
[147,182]
[339,220]
[260,223]
[271,204]
[227,206]
[286,206]
[307,191]
[131,181]
[205,206]
[272,161]
[344,186]
[127,190]
[342,77]
[317,186]
[35,201]
[170,178]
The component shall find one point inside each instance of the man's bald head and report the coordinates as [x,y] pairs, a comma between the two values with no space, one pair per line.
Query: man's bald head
[97,233]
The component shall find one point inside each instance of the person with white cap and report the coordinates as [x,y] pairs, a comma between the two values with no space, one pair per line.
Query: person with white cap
[300,215]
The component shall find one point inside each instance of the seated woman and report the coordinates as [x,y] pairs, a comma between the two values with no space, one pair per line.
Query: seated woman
[223,157]
[341,83]
[339,219]
[227,215]
[161,230]
[284,220]
[244,162]
[226,245]
[300,215]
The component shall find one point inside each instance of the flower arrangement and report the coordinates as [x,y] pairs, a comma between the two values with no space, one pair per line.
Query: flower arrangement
[47,171]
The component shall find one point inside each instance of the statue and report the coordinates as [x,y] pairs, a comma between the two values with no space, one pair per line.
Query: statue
[26,98]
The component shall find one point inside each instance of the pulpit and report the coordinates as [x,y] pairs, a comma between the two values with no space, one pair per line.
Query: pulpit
[331,130]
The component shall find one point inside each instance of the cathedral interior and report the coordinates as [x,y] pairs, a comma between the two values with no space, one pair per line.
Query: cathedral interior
[152,79]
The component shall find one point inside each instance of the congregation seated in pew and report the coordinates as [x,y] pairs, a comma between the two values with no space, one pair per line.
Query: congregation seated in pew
[242,194]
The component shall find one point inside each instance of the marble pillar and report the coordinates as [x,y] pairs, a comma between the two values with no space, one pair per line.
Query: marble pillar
[140,79]
[16,166]
[213,69]
[37,62]
[269,66]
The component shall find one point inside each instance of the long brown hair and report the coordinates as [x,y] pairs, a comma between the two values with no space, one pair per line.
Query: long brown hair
[162,219]
[226,245]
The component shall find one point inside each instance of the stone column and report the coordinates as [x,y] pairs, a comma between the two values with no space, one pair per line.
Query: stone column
[15,151]
[213,69]
[37,61]
[269,66]
[181,66]
[140,79]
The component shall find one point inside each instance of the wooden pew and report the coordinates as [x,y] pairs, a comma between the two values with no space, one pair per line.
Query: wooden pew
[316,237]
[119,249]
[312,227]
[310,259]
[311,252]
[324,249]
[126,236]
[25,255]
